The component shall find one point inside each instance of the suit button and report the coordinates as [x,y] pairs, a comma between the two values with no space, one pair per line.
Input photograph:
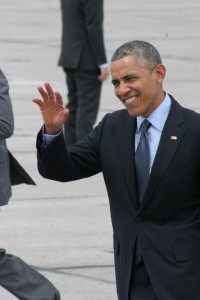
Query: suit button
[138,220]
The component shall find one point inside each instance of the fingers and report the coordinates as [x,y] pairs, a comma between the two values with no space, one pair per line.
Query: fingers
[65,115]
[50,93]
[39,102]
[44,95]
[47,94]
[58,98]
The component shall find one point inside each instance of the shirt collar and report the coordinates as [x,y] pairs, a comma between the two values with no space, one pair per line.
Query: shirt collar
[154,118]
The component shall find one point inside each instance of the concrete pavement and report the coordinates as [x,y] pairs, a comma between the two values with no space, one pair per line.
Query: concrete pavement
[64,230]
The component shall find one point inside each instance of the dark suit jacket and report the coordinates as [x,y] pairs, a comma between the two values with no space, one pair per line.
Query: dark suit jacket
[168,222]
[82,34]
[11,172]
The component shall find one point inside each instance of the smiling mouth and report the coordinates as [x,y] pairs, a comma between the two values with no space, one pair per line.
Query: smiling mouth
[129,100]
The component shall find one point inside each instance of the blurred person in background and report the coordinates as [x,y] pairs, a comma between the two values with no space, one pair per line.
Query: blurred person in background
[84,62]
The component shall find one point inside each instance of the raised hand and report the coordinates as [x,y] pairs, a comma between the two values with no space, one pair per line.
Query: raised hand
[52,109]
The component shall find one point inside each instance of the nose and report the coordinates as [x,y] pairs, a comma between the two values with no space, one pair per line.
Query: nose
[122,90]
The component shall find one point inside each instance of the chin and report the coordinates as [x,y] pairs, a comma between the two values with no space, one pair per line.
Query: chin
[133,112]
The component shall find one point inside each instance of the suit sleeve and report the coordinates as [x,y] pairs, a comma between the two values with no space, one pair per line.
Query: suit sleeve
[93,14]
[77,161]
[6,112]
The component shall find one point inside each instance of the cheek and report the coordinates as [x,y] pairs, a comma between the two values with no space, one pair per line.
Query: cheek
[118,96]
[139,103]
[116,92]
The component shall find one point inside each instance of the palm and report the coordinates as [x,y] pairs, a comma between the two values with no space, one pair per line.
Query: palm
[52,113]
[51,106]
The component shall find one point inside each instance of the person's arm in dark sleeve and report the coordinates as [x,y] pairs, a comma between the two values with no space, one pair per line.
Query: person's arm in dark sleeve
[6,111]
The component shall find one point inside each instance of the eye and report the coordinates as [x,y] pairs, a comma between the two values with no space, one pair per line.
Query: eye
[131,78]
[115,83]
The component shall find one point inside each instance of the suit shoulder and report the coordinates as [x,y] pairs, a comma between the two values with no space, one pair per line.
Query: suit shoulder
[187,113]
[117,115]
[114,121]
[191,115]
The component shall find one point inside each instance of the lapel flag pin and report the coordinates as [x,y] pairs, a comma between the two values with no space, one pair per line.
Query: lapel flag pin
[174,137]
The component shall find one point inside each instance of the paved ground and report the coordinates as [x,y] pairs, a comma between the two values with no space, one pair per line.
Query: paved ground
[64,230]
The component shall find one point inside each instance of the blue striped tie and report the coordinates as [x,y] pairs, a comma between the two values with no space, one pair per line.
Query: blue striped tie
[142,164]
[142,160]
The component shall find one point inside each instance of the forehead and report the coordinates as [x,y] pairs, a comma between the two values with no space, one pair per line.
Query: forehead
[126,65]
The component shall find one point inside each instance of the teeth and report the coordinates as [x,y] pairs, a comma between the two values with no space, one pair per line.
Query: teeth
[130,100]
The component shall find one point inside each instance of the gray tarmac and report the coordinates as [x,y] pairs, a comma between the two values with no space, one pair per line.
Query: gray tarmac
[64,230]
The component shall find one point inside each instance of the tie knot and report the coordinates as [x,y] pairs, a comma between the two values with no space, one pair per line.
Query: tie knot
[145,126]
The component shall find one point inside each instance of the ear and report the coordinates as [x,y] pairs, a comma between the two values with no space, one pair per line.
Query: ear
[161,72]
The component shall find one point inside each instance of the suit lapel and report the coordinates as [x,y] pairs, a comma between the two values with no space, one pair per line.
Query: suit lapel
[126,146]
[171,137]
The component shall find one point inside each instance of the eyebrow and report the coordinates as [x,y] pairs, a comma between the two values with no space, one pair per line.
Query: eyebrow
[130,75]
[125,78]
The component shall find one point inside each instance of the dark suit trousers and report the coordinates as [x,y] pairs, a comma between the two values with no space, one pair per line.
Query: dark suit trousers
[140,285]
[84,91]
[23,281]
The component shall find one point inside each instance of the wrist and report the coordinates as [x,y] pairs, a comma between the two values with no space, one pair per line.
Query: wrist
[52,130]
